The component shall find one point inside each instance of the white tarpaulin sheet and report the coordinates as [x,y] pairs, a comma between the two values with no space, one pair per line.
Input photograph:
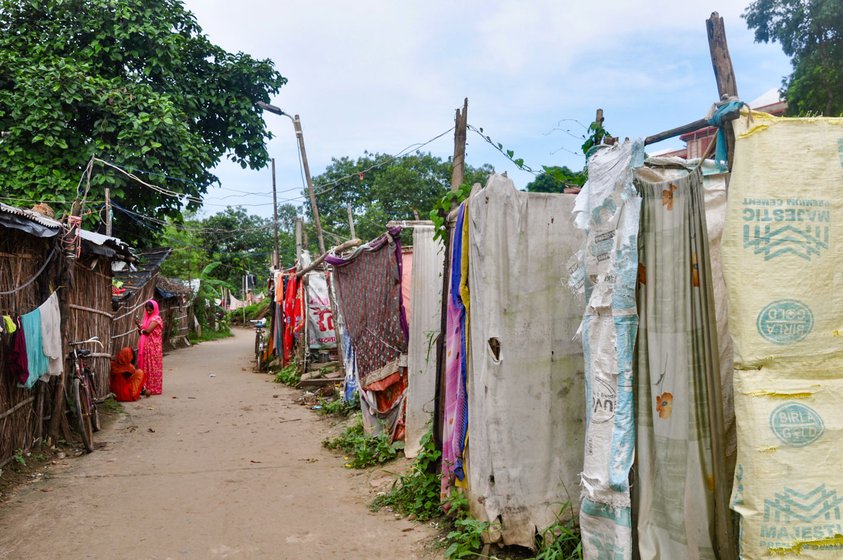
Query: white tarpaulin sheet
[320,328]
[425,323]
[608,209]
[783,265]
[525,395]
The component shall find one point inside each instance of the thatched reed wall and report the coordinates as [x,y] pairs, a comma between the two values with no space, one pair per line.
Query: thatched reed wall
[89,313]
[22,411]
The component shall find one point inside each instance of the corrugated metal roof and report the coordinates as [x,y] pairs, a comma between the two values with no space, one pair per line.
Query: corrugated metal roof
[30,215]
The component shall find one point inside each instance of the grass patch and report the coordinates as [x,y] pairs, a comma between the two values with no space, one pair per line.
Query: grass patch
[251,312]
[337,406]
[209,335]
[362,450]
[560,541]
[288,375]
[417,493]
[111,406]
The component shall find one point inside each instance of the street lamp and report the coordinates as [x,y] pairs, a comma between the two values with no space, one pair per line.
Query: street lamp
[300,137]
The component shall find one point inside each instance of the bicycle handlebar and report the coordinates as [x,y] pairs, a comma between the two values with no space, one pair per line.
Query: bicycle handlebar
[90,340]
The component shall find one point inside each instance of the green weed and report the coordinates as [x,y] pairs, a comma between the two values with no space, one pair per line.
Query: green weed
[416,493]
[111,405]
[209,335]
[466,538]
[19,457]
[560,541]
[337,406]
[288,375]
[362,450]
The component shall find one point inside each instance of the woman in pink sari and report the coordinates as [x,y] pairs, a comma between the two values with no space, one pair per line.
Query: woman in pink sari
[150,349]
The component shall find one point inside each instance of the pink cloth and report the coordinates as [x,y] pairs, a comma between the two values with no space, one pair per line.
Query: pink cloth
[453,354]
[151,351]
[407,283]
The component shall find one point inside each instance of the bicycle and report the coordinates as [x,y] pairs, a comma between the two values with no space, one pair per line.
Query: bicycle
[260,342]
[83,393]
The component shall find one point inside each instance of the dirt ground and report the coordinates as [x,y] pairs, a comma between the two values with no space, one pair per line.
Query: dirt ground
[224,464]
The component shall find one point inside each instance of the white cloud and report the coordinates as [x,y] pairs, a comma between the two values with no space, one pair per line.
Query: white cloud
[377,75]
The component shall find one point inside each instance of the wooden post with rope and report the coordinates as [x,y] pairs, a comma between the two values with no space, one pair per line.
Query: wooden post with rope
[314,208]
[724,72]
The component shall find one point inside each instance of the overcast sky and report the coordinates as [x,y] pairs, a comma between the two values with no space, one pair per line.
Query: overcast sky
[382,75]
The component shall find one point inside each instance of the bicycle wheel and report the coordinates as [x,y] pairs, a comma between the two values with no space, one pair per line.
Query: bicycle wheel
[95,413]
[82,405]
[260,356]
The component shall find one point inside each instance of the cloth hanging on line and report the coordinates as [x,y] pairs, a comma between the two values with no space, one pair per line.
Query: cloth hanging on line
[51,334]
[17,362]
[608,209]
[37,360]
[455,425]
[677,355]
[368,289]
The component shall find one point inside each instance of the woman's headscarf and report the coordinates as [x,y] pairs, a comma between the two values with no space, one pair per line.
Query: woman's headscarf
[122,362]
[149,317]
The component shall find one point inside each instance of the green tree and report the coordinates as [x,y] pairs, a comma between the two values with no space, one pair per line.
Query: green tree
[811,34]
[135,82]
[555,179]
[380,188]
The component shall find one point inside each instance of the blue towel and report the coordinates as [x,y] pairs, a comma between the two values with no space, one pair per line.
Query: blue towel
[38,362]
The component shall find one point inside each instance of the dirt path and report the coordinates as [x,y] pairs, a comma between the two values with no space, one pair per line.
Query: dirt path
[223,465]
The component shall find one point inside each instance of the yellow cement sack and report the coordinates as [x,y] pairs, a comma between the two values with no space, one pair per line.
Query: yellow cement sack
[789,483]
[783,243]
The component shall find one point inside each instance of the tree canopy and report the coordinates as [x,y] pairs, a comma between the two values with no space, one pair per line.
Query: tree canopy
[132,82]
[811,34]
[380,188]
[239,241]
[554,180]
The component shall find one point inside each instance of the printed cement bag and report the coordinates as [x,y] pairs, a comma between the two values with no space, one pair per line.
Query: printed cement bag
[608,209]
[320,331]
[783,244]
[788,484]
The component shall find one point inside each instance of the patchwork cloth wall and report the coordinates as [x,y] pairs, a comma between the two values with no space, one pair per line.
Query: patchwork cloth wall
[783,264]
[368,289]
[525,370]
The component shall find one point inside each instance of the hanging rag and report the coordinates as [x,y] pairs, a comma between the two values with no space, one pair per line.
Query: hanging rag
[678,375]
[17,363]
[10,324]
[51,334]
[38,362]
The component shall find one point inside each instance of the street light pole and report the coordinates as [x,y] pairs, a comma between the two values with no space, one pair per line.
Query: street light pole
[277,258]
[300,138]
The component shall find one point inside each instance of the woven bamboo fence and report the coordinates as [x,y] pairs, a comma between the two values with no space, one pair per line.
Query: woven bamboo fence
[89,314]
[23,411]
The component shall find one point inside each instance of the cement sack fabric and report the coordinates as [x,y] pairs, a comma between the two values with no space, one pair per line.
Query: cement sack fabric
[782,260]
[677,372]
[608,209]
[783,245]
[320,327]
[525,382]
[425,324]
[788,488]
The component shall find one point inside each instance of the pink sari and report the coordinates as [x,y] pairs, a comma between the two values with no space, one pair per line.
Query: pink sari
[151,351]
